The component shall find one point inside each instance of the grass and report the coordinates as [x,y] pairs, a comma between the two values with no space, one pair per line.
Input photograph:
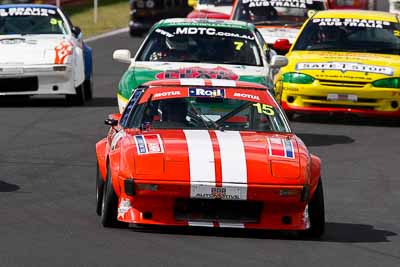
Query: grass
[112,15]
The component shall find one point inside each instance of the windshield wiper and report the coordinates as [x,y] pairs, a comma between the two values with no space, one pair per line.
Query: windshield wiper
[232,113]
[205,122]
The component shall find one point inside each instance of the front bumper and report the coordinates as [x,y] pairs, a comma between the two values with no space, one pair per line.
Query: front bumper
[37,80]
[363,99]
[265,207]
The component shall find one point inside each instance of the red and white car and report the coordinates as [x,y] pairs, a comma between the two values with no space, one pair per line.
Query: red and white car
[212,153]
[210,9]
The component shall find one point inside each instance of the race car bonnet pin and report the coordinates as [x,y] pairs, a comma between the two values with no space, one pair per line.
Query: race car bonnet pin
[207,92]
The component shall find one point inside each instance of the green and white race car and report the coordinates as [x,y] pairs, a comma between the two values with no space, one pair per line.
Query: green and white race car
[199,48]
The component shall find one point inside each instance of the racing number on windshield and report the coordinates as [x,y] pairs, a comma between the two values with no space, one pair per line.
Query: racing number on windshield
[264,109]
[238,45]
[396,33]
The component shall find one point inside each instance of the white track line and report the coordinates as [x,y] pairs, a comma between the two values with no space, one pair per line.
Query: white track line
[107,34]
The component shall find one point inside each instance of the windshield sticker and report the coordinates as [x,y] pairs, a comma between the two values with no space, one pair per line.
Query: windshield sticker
[396,33]
[203,31]
[207,92]
[279,3]
[198,72]
[166,94]
[361,23]
[238,45]
[345,66]
[247,96]
[149,144]
[264,109]
[26,11]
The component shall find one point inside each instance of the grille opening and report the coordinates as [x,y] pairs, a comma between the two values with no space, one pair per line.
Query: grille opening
[218,210]
[21,84]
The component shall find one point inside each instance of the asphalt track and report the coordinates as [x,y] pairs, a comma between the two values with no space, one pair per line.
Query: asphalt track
[47,192]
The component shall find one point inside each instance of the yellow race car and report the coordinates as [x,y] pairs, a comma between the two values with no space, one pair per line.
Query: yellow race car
[343,61]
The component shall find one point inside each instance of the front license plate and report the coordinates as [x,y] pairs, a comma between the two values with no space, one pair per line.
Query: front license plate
[342,97]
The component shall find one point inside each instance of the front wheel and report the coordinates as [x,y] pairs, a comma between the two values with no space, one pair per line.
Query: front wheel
[316,213]
[109,207]
[99,191]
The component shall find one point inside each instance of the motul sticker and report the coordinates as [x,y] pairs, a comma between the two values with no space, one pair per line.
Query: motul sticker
[280,147]
[63,51]
[149,144]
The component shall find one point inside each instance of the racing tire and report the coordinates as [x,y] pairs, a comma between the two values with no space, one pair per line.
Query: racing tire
[79,98]
[109,207]
[88,87]
[316,213]
[99,191]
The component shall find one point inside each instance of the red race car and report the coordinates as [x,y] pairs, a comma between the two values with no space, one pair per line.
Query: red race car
[210,9]
[213,153]
[351,4]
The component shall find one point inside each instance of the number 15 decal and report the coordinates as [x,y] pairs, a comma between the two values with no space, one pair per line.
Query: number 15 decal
[264,109]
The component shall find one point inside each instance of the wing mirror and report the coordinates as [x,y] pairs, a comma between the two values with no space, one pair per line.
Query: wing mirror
[282,45]
[278,61]
[77,32]
[122,55]
[113,119]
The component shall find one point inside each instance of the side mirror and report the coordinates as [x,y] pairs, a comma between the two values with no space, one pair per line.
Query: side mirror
[282,45]
[77,32]
[122,55]
[279,61]
[113,119]
[192,3]
[111,122]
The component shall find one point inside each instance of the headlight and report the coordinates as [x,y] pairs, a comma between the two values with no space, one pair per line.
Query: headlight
[139,4]
[150,4]
[299,78]
[387,83]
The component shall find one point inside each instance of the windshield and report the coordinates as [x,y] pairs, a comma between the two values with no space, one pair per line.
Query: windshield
[216,2]
[352,35]
[30,20]
[209,108]
[273,12]
[201,44]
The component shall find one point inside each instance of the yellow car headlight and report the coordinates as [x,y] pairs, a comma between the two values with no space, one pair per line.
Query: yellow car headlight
[387,83]
[299,78]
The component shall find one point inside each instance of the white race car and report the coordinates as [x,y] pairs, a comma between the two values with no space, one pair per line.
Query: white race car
[42,53]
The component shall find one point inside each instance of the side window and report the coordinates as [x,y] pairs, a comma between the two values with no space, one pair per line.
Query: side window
[264,45]
[132,103]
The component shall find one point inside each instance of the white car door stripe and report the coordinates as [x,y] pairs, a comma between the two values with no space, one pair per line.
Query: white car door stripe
[233,163]
[201,163]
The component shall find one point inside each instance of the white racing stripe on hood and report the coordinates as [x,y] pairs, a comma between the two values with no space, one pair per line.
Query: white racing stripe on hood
[233,163]
[201,161]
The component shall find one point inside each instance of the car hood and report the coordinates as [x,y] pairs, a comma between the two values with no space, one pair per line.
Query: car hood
[346,66]
[273,33]
[30,49]
[142,72]
[212,156]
